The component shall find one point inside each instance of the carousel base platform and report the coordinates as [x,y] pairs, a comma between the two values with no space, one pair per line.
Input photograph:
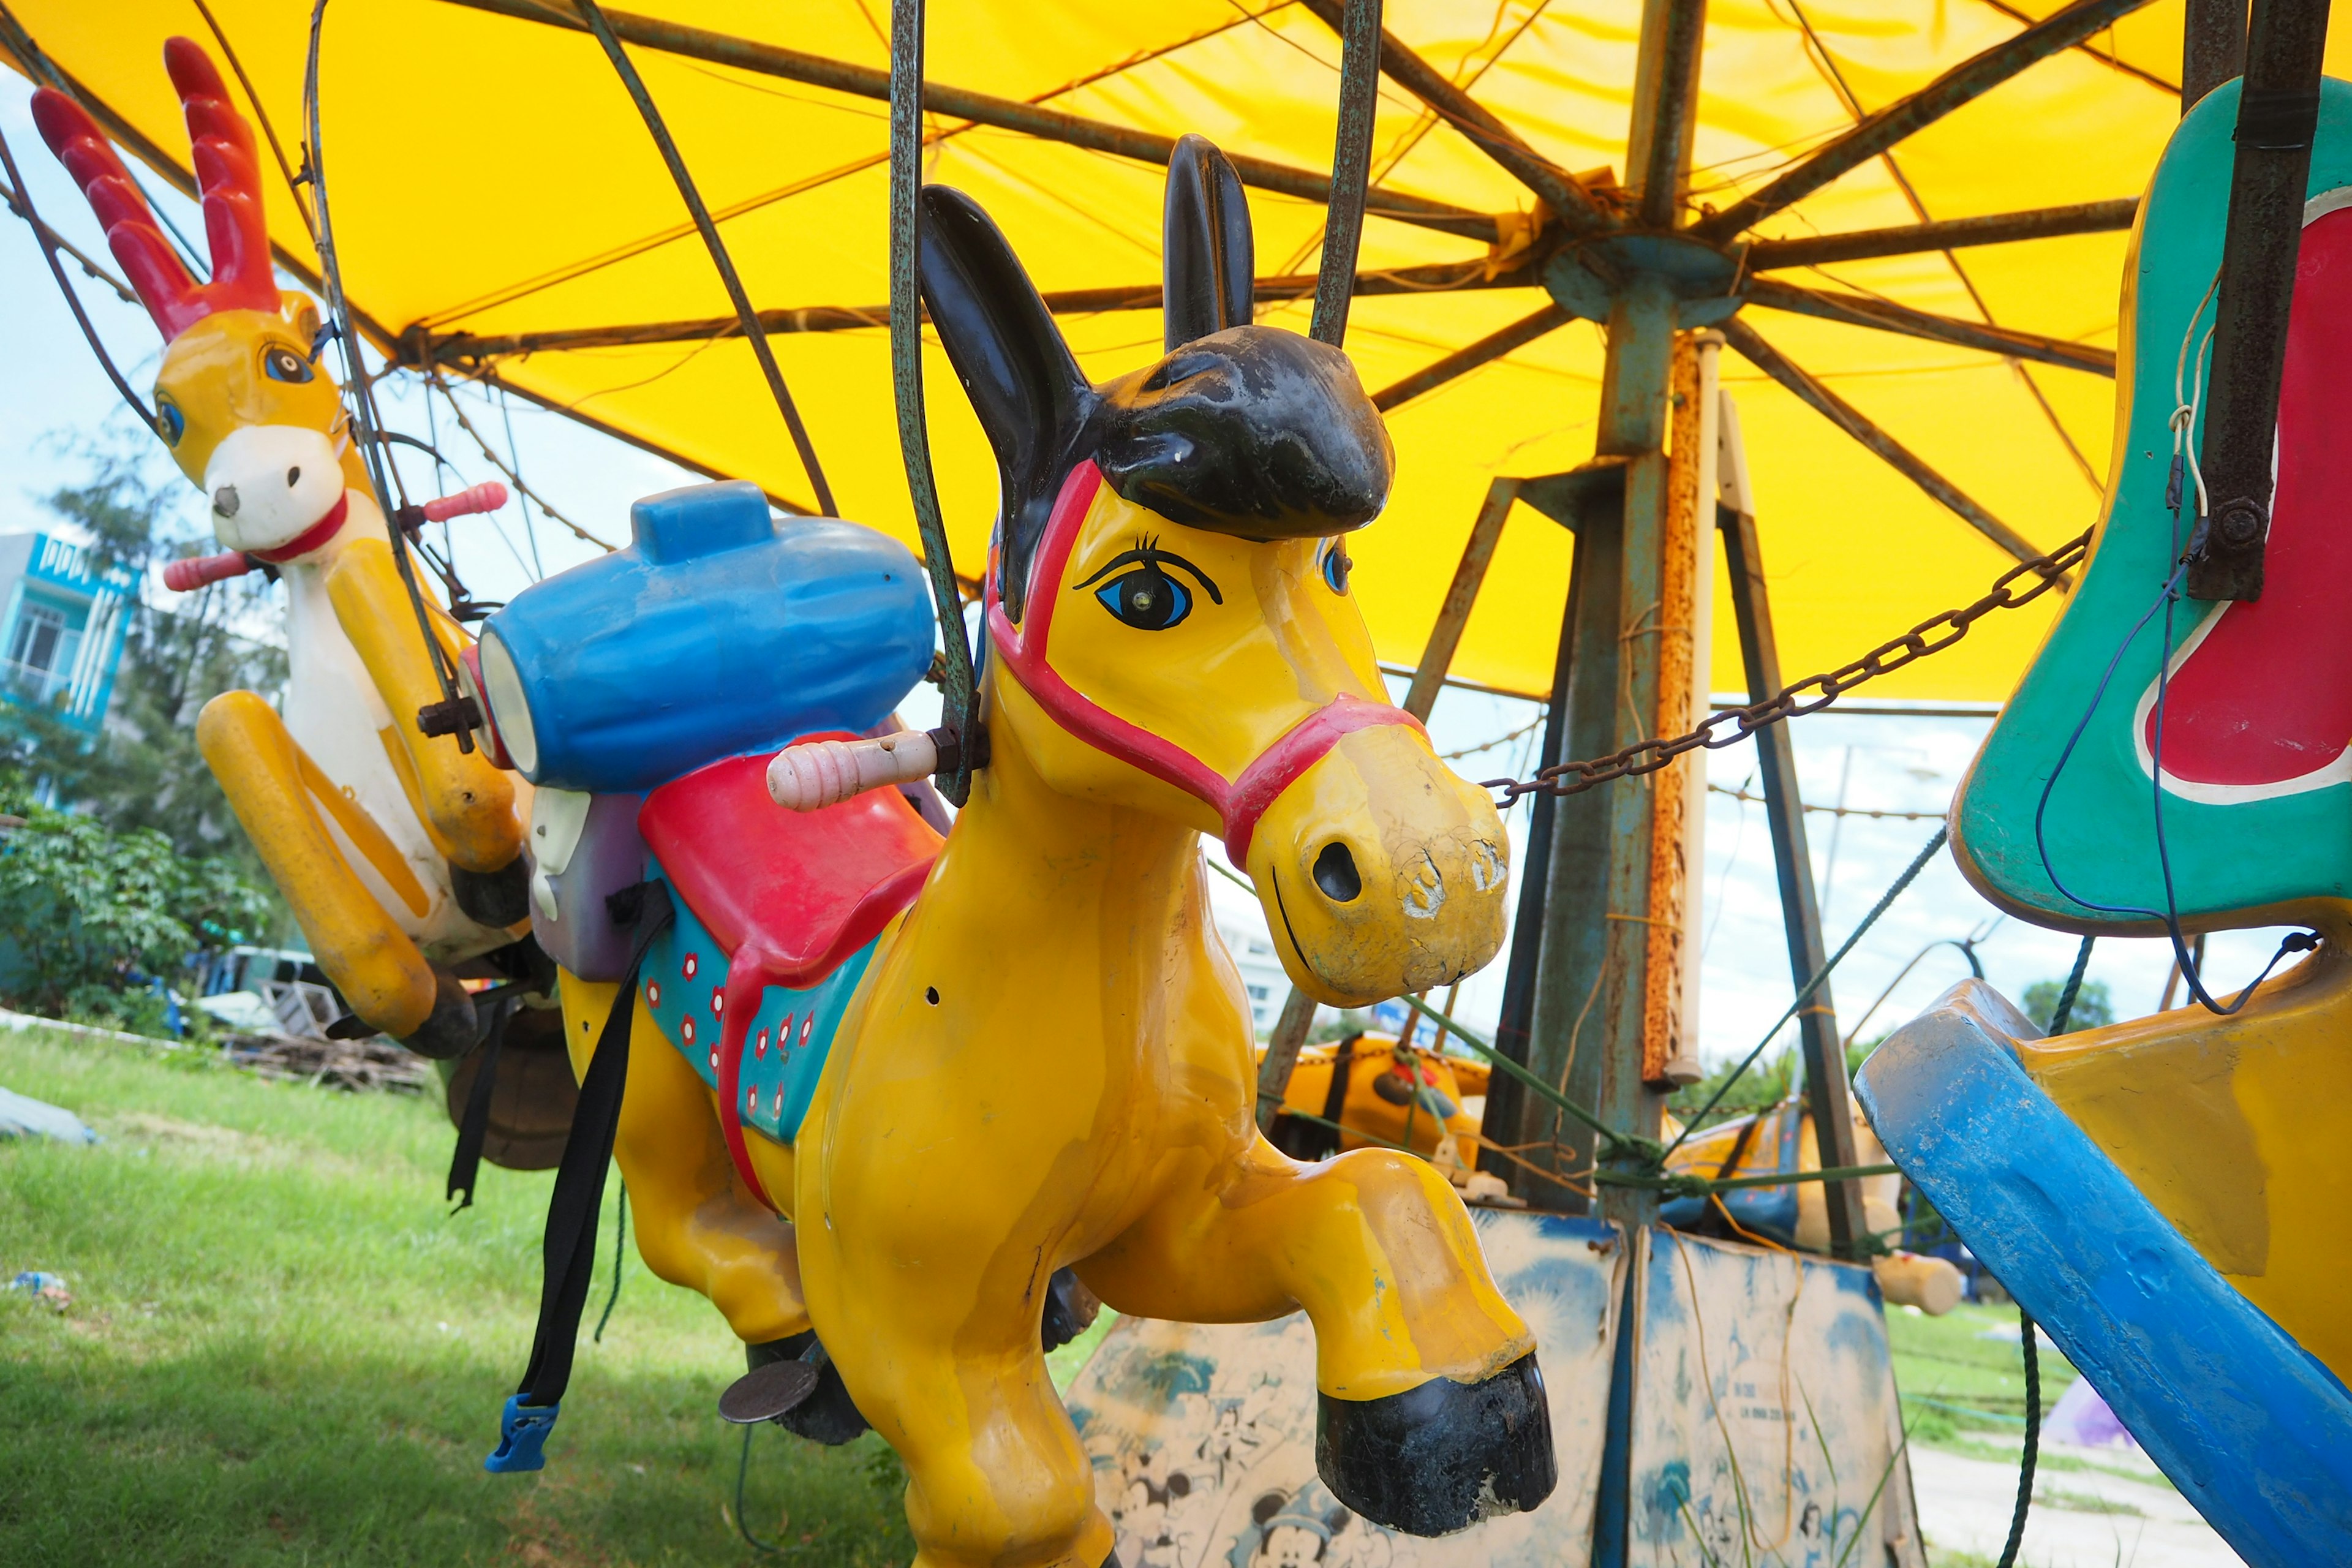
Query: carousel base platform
[1749,1415]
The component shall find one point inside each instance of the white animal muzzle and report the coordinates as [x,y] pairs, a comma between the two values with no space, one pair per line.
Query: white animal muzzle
[269,484]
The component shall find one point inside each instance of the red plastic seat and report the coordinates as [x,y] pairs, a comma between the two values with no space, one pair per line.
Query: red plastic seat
[804,888]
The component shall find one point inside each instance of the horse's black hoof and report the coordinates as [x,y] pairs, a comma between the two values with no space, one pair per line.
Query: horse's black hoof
[453,1028]
[1439,1457]
[828,1416]
[498,899]
[767,1392]
[1070,1311]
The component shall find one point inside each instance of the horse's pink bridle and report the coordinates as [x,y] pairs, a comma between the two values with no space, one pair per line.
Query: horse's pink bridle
[1238,802]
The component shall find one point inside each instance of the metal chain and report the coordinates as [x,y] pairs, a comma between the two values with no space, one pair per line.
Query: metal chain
[1929,636]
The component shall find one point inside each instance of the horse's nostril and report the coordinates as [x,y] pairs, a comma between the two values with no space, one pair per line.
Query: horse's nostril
[293,478]
[1335,873]
[224,501]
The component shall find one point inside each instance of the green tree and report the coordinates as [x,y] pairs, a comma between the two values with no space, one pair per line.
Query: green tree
[88,913]
[143,771]
[2092,1006]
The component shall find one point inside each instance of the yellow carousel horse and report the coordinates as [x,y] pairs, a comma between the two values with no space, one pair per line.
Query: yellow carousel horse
[399,854]
[1025,1050]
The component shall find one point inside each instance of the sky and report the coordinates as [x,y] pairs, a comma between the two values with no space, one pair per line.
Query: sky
[55,404]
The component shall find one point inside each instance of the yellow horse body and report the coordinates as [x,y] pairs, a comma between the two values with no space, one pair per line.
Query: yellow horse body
[1048,1061]
[359,816]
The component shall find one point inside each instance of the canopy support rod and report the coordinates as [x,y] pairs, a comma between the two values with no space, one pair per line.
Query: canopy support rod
[1800,911]
[1882,315]
[1660,147]
[720,259]
[1877,132]
[1463,360]
[1351,171]
[983,108]
[1951,233]
[1851,420]
[1569,202]
[2212,48]
[417,345]
[1460,597]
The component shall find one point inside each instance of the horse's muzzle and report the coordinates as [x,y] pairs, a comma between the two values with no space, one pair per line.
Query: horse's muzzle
[1381,871]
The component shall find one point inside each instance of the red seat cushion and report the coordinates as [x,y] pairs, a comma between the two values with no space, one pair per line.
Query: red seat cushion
[804,889]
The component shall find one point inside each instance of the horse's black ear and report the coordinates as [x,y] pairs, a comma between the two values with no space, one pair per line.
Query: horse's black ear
[1206,252]
[1014,365]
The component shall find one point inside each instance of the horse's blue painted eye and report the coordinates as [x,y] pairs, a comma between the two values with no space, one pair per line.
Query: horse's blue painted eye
[280,364]
[1335,567]
[1146,598]
[170,423]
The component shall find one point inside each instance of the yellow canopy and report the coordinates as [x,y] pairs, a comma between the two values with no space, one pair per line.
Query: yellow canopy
[489,174]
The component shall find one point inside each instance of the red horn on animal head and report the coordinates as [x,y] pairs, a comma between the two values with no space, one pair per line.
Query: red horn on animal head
[228,173]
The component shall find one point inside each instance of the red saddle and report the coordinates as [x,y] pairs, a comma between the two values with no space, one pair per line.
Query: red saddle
[804,888]
[788,895]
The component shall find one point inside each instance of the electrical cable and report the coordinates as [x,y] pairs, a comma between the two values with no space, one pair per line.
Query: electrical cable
[2189,393]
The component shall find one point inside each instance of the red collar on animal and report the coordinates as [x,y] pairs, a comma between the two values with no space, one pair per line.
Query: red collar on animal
[1240,802]
[313,537]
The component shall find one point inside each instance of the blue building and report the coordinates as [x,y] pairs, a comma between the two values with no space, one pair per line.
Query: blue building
[62,633]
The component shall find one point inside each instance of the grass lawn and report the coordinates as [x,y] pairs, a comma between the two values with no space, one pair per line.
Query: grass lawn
[1946,1362]
[282,1348]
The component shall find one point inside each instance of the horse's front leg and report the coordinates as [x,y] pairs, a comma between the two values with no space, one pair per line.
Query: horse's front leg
[697,1224]
[285,803]
[1430,1410]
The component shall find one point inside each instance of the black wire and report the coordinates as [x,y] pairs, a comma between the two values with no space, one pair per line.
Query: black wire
[2296,942]
[382,473]
[743,1468]
[43,235]
[2026,1335]
[594,15]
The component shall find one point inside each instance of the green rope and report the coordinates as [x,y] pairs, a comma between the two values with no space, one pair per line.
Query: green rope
[1820,977]
[1683,1186]
[1644,1148]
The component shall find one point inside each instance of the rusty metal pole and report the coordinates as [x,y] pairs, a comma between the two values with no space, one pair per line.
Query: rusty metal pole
[2212,48]
[1784,811]
[1593,985]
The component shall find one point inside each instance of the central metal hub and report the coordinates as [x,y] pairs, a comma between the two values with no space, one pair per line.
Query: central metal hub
[1587,274]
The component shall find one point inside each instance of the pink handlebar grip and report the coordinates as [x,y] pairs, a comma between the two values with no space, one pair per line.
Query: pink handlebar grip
[487,496]
[187,576]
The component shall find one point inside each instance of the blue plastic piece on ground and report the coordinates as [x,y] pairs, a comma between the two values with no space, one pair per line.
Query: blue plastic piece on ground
[522,1432]
[2252,1429]
[720,631]
[22,1116]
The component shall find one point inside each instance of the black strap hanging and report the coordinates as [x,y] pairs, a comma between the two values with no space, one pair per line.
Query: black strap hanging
[2278,113]
[466,1162]
[958,690]
[1351,171]
[569,1251]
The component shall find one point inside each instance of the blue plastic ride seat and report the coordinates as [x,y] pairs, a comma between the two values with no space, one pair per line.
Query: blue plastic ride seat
[2252,1429]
